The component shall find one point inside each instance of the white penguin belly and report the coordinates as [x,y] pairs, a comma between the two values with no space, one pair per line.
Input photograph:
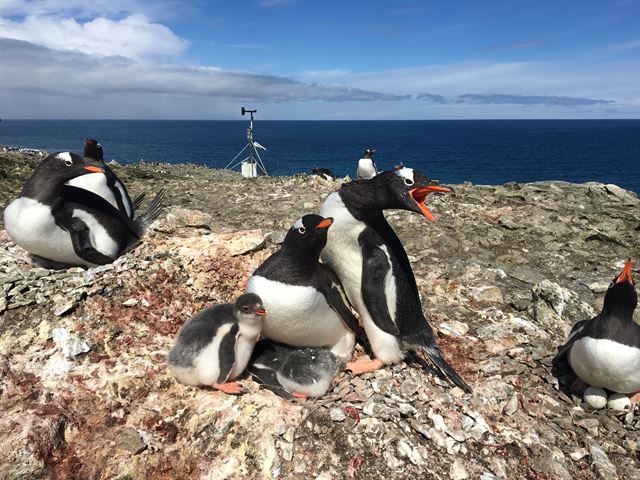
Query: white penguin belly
[32,226]
[606,364]
[314,388]
[297,315]
[95,183]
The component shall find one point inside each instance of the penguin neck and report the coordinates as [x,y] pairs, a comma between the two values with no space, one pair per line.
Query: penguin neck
[362,202]
[45,190]
[299,263]
[619,311]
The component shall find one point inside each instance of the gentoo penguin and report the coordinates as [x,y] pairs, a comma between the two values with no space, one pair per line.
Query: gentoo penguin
[63,225]
[366,166]
[324,173]
[105,184]
[215,345]
[293,371]
[605,350]
[305,303]
[365,253]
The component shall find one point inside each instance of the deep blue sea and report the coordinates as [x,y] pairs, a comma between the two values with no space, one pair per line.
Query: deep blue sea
[479,151]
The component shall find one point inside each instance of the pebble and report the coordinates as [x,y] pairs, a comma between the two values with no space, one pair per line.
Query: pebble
[457,471]
[337,414]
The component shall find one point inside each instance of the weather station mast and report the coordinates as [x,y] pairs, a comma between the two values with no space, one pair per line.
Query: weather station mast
[252,165]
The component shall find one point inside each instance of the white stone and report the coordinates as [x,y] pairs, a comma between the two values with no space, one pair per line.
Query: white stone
[595,397]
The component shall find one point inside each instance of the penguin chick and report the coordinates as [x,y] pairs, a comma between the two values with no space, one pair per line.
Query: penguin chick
[324,173]
[105,184]
[64,225]
[215,345]
[293,371]
[370,261]
[366,166]
[305,303]
[604,351]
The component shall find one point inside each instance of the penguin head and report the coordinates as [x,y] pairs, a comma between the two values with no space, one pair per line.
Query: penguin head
[249,308]
[622,296]
[93,150]
[405,189]
[368,153]
[307,237]
[63,166]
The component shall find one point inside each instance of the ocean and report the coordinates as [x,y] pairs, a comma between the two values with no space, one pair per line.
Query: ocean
[452,151]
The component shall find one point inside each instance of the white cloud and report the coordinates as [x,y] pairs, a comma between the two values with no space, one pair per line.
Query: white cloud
[133,36]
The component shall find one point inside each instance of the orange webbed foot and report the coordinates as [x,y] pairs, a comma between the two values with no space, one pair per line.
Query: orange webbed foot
[364,366]
[231,388]
[298,395]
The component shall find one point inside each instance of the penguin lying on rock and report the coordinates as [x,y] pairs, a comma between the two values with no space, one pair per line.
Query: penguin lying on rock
[604,352]
[105,184]
[215,345]
[293,371]
[324,173]
[365,253]
[305,303]
[62,225]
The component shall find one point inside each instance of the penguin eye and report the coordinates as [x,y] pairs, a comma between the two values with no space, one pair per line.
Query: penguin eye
[302,230]
[68,162]
[245,309]
[408,181]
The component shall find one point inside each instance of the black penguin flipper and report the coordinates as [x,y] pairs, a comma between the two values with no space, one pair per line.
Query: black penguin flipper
[227,353]
[137,202]
[578,331]
[429,355]
[147,218]
[337,298]
[375,269]
[268,379]
[81,241]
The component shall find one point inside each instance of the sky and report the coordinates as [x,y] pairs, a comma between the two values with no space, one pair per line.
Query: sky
[319,60]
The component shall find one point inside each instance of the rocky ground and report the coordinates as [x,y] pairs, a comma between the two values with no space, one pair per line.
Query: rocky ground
[503,275]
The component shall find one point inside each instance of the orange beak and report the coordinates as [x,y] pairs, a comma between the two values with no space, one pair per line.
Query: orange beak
[94,169]
[326,223]
[419,194]
[260,311]
[626,273]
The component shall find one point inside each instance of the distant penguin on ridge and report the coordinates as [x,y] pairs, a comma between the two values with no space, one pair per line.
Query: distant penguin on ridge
[323,173]
[370,261]
[305,303]
[366,166]
[215,345]
[62,225]
[293,371]
[106,184]
[604,351]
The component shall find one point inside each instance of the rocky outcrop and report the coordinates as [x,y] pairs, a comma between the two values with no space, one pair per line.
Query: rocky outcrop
[503,274]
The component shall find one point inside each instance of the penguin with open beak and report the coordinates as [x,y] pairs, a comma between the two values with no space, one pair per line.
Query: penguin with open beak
[370,261]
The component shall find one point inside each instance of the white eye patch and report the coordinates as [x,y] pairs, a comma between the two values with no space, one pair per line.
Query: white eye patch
[66,156]
[298,224]
[405,172]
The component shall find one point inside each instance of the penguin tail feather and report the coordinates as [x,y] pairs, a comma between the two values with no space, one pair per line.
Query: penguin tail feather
[137,202]
[435,361]
[153,212]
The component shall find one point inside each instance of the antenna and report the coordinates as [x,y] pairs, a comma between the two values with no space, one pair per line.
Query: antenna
[250,166]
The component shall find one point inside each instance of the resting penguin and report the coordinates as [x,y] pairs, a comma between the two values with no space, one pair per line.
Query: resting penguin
[62,225]
[105,184]
[366,166]
[605,350]
[215,345]
[325,173]
[293,371]
[365,253]
[305,303]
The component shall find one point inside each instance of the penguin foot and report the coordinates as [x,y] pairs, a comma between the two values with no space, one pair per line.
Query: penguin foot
[364,366]
[635,398]
[298,395]
[579,386]
[232,388]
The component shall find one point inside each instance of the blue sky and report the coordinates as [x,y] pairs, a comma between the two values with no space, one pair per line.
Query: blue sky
[297,59]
